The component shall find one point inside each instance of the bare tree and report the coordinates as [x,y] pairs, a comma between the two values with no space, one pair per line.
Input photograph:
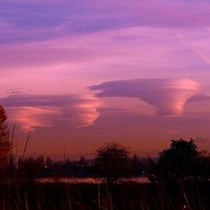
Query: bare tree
[5,143]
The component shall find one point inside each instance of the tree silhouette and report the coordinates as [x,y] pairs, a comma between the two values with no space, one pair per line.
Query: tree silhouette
[136,166]
[179,160]
[5,143]
[112,162]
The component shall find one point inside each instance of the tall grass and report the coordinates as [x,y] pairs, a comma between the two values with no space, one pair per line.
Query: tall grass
[19,195]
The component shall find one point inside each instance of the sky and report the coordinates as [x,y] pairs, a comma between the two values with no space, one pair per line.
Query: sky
[78,74]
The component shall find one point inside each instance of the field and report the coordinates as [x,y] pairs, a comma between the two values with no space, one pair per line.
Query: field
[125,196]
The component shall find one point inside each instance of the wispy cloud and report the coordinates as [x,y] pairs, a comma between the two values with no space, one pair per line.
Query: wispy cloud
[37,20]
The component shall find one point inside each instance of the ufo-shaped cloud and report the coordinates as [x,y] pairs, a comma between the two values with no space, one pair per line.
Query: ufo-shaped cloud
[168,96]
[32,111]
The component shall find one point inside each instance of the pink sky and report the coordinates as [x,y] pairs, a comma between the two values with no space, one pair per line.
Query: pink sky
[79,74]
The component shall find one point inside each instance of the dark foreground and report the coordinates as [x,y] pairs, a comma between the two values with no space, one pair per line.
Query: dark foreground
[127,196]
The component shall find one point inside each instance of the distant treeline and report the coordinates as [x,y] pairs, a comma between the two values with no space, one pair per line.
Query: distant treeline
[180,161]
[41,167]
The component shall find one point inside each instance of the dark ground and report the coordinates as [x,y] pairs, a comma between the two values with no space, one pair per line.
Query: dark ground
[127,196]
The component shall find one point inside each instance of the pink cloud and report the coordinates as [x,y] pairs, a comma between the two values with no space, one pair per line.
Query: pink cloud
[31,111]
[82,114]
[168,96]
[30,118]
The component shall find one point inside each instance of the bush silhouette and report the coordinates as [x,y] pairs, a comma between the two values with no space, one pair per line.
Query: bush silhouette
[179,160]
[112,162]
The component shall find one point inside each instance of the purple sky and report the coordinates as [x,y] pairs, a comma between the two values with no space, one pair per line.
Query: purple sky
[79,73]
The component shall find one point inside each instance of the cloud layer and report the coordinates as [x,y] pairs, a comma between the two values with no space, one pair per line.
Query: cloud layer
[38,20]
[168,96]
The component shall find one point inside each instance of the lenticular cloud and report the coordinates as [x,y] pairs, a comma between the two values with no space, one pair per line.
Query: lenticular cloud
[32,111]
[168,96]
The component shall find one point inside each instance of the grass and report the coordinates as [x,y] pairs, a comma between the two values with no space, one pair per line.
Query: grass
[126,196]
